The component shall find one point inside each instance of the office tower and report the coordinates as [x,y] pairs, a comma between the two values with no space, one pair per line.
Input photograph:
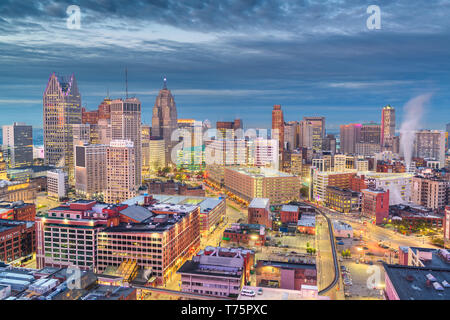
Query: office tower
[104,131]
[430,144]
[278,126]
[103,112]
[291,135]
[318,131]
[370,140]
[90,170]
[18,142]
[263,153]
[57,183]
[157,153]
[146,131]
[387,128]
[329,144]
[157,247]
[375,205]
[230,129]
[190,149]
[350,134]
[126,125]
[3,174]
[306,134]
[62,109]
[164,120]
[67,235]
[81,133]
[121,171]
[447,129]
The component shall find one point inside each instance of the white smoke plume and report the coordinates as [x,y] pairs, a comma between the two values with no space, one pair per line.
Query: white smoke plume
[412,121]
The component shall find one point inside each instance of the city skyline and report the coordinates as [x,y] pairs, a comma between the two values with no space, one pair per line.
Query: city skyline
[342,70]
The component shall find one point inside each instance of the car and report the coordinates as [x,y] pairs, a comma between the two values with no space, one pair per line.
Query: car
[260,291]
[380,261]
[248,293]
[365,248]
[341,243]
[371,263]
[357,261]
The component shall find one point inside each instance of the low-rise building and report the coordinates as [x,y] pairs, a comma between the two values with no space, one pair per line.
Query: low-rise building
[342,229]
[375,205]
[219,272]
[289,214]
[342,200]
[259,212]
[416,283]
[285,275]
[307,224]
[17,239]
[245,234]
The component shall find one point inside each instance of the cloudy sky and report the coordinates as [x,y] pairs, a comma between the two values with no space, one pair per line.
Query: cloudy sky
[231,58]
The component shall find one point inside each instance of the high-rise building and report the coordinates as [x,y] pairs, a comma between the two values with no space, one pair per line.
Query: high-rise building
[18,142]
[3,173]
[90,170]
[229,129]
[190,149]
[67,235]
[291,135]
[447,129]
[62,109]
[350,135]
[306,134]
[157,159]
[446,225]
[375,205]
[146,132]
[278,126]
[121,171]
[329,144]
[430,192]
[164,120]
[318,131]
[387,128]
[430,144]
[57,183]
[126,125]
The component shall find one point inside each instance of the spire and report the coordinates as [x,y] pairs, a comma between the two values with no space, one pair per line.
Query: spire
[165,84]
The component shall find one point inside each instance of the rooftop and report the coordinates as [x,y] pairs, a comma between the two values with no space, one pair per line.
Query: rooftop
[261,172]
[259,203]
[289,208]
[412,283]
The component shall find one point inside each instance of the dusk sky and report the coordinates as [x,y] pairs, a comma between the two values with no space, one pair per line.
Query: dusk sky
[231,58]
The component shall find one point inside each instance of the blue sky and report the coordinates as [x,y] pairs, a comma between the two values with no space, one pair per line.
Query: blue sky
[231,58]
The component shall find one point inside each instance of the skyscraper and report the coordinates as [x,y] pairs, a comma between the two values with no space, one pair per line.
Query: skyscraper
[164,120]
[3,175]
[387,128]
[90,169]
[126,125]
[318,131]
[18,141]
[350,135]
[278,126]
[121,171]
[430,144]
[62,109]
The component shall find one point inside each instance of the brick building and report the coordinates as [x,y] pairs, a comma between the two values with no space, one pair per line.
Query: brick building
[259,212]
[375,204]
